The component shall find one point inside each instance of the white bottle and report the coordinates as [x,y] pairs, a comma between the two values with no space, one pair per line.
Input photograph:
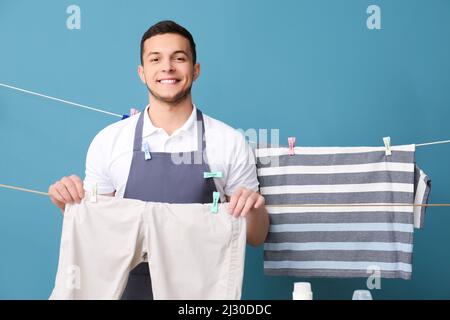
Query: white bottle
[362,295]
[302,291]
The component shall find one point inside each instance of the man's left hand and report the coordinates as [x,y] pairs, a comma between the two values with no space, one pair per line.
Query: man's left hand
[243,201]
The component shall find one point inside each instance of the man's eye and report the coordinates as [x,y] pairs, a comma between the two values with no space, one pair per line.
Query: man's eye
[154,60]
[180,59]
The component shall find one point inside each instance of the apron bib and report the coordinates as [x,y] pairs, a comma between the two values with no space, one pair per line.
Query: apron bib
[160,179]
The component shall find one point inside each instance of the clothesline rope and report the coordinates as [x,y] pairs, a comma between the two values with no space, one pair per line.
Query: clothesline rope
[361,205]
[430,143]
[417,145]
[284,205]
[60,100]
[23,189]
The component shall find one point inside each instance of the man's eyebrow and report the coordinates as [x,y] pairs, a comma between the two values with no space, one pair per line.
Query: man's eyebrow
[181,51]
[175,52]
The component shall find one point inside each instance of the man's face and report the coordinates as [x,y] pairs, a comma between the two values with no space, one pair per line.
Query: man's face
[167,68]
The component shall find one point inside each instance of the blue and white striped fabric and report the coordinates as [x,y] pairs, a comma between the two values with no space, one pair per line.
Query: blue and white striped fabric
[341,241]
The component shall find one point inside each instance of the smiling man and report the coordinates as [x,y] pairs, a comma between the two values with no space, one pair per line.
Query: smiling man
[170,124]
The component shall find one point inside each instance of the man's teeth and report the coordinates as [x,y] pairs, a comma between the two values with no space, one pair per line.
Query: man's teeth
[168,81]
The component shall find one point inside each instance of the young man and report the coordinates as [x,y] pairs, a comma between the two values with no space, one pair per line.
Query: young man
[168,126]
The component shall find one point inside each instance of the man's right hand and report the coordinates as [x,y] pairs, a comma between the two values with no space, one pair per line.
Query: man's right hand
[67,190]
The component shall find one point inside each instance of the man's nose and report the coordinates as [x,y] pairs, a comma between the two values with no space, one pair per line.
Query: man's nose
[167,66]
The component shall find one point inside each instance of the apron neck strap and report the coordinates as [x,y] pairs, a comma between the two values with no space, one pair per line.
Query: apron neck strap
[201,143]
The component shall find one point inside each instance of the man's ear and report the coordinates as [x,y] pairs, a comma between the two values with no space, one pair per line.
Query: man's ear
[141,73]
[196,71]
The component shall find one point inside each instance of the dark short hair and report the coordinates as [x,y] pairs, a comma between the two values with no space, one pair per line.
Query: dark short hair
[168,26]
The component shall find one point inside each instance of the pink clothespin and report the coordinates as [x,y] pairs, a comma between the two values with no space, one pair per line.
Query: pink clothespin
[291,141]
[133,111]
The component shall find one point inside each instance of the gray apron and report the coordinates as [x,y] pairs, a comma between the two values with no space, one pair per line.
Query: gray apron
[159,179]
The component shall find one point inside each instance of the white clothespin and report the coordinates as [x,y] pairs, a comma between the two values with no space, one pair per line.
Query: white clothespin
[147,153]
[291,142]
[387,144]
[94,193]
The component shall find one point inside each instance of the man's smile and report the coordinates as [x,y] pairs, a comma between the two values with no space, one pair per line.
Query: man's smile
[168,81]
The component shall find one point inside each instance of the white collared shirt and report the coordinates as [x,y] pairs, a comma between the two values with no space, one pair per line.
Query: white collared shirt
[110,153]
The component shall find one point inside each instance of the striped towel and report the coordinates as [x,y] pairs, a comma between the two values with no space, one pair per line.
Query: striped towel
[341,241]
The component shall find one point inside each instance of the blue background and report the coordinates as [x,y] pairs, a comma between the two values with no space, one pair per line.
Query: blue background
[310,68]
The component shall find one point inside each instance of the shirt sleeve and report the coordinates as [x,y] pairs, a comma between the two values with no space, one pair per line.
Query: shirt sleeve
[422,187]
[242,168]
[97,166]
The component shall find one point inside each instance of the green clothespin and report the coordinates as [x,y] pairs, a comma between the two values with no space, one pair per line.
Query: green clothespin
[215,206]
[214,174]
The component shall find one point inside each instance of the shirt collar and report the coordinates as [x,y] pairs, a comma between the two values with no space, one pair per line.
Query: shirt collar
[149,128]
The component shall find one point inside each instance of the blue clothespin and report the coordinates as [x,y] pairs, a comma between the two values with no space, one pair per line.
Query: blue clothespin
[133,111]
[215,206]
[148,156]
[214,174]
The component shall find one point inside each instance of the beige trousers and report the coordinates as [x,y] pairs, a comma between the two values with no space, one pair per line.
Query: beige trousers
[192,253]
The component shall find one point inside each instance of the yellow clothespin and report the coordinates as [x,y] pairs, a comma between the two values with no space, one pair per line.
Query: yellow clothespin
[387,144]
[94,193]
